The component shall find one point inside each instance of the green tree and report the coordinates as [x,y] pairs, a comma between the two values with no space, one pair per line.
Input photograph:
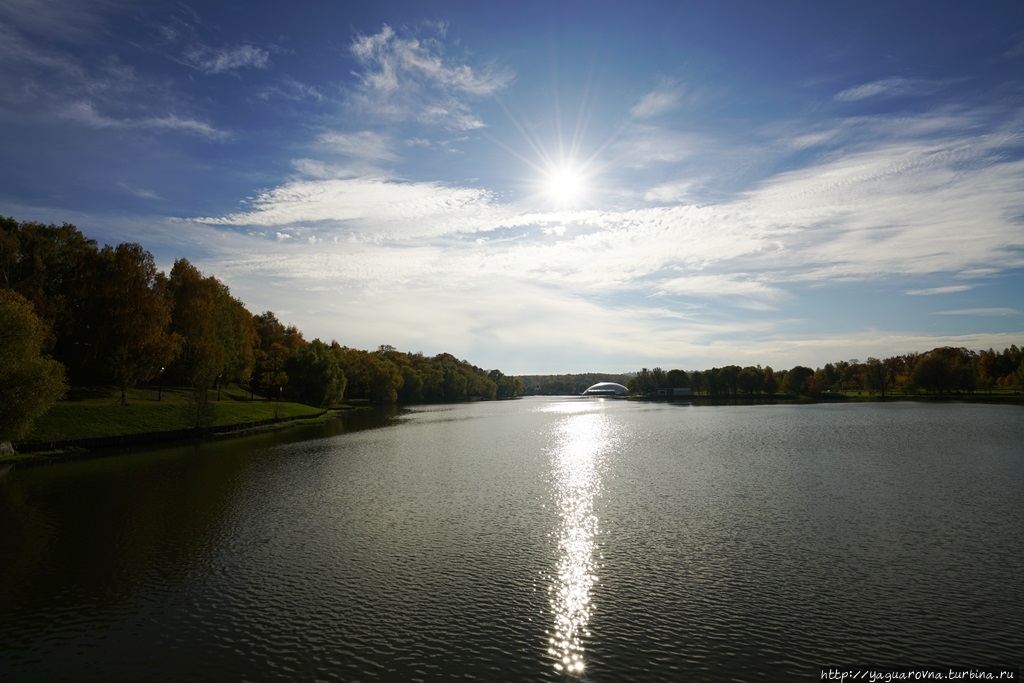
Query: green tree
[750,380]
[697,381]
[878,376]
[931,373]
[728,378]
[506,386]
[796,380]
[314,376]
[29,381]
[677,379]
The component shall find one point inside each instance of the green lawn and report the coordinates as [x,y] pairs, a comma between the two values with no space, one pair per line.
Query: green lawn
[90,412]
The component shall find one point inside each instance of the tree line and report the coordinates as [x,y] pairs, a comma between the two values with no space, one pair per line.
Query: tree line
[943,370]
[566,385]
[109,315]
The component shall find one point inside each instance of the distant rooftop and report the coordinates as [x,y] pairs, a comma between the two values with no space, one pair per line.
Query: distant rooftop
[606,389]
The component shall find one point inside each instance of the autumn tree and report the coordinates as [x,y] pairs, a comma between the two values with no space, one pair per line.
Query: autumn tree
[270,374]
[54,267]
[134,341]
[218,334]
[29,381]
[239,337]
[194,318]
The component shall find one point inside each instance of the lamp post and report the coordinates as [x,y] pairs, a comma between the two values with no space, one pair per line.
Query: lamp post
[160,390]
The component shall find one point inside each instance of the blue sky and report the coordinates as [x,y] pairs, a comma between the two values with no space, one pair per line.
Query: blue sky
[546,186]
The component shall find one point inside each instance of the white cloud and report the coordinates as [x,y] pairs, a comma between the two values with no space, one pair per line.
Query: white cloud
[362,145]
[747,292]
[948,289]
[410,79]
[948,204]
[369,207]
[676,192]
[322,170]
[640,145]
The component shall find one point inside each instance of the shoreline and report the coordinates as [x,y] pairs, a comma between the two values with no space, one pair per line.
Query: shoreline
[40,453]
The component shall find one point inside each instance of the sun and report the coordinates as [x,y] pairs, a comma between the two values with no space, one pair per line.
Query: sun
[565,185]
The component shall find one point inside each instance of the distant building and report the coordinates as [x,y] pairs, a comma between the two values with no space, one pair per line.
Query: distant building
[606,389]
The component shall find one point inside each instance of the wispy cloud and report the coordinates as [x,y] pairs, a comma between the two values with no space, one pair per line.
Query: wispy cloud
[82,22]
[1017,48]
[366,145]
[663,99]
[743,290]
[291,89]
[85,113]
[139,192]
[948,289]
[45,80]
[211,60]
[411,79]
[995,311]
[677,192]
[891,87]
[370,208]
[639,146]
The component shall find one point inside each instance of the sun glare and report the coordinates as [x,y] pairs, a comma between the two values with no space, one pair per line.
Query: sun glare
[565,185]
[562,169]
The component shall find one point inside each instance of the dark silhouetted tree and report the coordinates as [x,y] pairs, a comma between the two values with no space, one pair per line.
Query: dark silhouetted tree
[29,381]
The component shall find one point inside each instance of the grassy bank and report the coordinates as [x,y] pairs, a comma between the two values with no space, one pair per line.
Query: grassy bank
[97,412]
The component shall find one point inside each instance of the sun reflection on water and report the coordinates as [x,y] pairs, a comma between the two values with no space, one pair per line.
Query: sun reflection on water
[582,438]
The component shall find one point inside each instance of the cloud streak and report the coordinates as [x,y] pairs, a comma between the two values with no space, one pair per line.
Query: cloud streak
[891,87]
[85,113]
[367,207]
[221,60]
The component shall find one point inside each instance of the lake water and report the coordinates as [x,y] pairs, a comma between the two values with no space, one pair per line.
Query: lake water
[537,539]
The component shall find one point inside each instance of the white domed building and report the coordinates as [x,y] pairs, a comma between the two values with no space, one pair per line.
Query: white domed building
[607,390]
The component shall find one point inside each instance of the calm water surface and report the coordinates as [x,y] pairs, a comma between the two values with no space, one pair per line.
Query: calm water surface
[540,539]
